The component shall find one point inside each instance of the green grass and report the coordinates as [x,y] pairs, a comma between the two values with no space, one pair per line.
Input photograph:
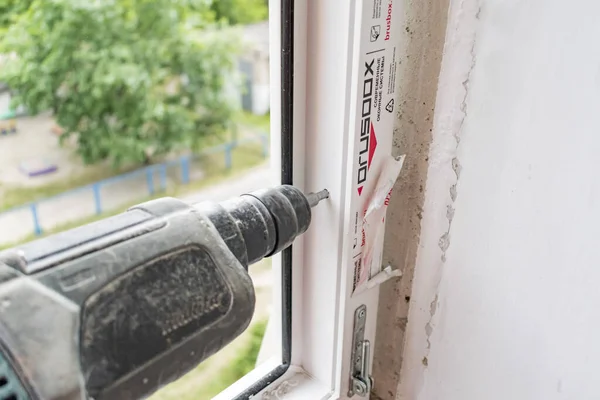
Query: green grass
[261,122]
[243,158]
[220,371]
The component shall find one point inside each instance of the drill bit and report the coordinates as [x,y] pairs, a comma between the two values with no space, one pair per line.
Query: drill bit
[315,198]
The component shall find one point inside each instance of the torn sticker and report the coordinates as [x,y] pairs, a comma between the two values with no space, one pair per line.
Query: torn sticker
[373,225]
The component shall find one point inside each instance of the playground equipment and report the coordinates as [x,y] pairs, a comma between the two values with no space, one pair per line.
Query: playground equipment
[8,126]
[37,167]
[8,123]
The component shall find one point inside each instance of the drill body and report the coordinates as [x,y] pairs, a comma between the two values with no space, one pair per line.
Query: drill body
[118,308]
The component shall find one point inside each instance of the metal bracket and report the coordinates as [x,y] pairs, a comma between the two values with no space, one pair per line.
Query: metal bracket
[360,375]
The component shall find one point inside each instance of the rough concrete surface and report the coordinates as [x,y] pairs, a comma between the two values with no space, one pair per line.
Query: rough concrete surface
[420,59]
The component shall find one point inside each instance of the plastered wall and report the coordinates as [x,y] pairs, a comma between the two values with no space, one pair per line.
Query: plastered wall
[504,300]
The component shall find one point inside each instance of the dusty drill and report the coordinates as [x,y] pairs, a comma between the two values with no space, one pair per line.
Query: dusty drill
[120,307]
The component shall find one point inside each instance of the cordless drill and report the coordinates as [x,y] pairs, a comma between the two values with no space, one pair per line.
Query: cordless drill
[120,307]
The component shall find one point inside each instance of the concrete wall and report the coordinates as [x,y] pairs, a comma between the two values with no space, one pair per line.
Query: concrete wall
[505,300]
[420,51]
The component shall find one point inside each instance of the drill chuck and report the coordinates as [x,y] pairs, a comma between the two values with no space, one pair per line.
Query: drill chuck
[264,222]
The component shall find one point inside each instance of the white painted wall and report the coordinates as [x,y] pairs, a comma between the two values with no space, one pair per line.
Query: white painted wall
[261,95]
[506,297]
[4,102]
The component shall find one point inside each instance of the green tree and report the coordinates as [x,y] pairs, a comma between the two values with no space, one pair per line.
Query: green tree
[128,79]
[10,10]
[240,11]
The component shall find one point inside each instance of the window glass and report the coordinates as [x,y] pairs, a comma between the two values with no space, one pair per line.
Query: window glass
[107,104]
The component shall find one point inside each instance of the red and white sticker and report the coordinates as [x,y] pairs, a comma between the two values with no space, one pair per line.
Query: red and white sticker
[373,130]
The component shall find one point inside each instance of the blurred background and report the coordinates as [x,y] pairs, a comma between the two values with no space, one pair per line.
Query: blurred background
[106,104]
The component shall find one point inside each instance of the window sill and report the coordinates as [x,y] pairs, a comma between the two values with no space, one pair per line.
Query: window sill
[295,384]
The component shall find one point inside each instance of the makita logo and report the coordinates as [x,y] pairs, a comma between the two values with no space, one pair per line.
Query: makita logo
[368,141]
[388,20]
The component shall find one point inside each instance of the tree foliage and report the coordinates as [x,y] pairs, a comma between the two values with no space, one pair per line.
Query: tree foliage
[240,11]
[10,11]
[128,79]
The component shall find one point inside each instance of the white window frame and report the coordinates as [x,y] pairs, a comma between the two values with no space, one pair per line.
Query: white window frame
[325,65]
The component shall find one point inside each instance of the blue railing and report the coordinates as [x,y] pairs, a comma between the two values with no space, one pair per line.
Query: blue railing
[150,172]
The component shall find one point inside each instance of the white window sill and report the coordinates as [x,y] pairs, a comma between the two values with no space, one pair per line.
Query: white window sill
[295,384]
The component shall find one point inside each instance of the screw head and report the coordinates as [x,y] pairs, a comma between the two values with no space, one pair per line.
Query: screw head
[361,314]
[359,388]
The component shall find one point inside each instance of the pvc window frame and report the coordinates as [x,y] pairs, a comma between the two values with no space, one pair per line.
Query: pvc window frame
[313,62]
